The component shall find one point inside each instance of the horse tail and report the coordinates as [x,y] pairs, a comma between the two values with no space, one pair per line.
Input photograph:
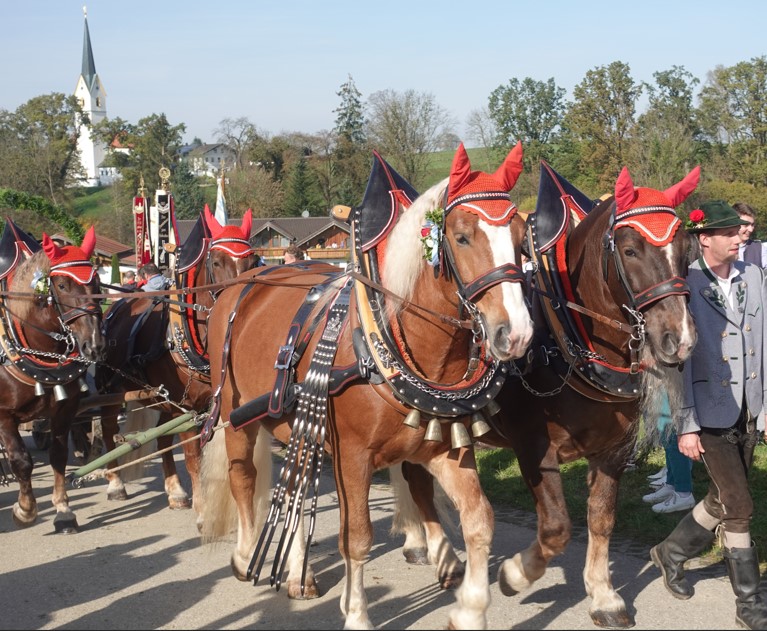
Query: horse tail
[219,517]
[138,418]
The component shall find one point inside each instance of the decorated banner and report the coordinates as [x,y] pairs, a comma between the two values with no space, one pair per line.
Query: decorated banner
[162,224]
[143,246]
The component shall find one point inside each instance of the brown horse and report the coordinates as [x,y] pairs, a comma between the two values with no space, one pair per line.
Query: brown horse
[51,333]
[159,342]
[347,361]
[612,329]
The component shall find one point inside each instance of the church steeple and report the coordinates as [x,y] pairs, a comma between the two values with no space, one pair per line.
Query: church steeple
[89,66]
[92,97]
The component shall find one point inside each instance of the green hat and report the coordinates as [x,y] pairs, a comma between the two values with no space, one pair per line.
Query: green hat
[713,215]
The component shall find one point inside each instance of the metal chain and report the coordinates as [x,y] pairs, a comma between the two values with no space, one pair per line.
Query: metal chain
[388,360]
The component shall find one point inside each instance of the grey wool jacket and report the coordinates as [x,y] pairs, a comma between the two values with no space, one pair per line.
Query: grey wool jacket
[727,365]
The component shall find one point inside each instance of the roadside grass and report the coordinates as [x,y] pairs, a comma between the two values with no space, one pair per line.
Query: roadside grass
[501,480]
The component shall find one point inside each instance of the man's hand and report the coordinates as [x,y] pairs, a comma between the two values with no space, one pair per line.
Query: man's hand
[689,445]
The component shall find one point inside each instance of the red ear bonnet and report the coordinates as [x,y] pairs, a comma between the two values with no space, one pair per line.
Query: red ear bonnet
[71,260]
[234,240]
[649,211]
[485,195]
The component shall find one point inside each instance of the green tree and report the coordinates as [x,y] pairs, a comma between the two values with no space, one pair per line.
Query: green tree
[347,175]
[406,128]
[188,198]
[301,192]
[528,111]
[667,138]
[599,121]
[236,134]
[38,147]
[733,108]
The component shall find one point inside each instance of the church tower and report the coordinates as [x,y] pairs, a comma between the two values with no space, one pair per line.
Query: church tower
[93,100]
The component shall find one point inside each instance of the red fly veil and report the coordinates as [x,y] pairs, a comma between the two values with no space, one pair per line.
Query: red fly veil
[71,260]
[234,240]
[651,212]
[467,187]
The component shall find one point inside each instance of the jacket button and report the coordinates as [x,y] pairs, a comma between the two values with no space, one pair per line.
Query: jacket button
[750,351]
[724,333]
[725,359]
[753,375]
[725,383]
[748,327]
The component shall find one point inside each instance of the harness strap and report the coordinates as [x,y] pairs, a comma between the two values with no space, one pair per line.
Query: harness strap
[289,353]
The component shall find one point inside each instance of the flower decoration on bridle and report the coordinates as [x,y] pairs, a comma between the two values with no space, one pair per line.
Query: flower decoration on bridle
[696,220]
[431,235]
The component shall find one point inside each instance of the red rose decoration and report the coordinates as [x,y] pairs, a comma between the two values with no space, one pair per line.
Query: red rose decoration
[425,231]
[697,215]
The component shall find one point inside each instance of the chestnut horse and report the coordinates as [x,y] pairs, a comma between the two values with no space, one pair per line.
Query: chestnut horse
[347,361]
[51,333]
[612,329]
[159,342]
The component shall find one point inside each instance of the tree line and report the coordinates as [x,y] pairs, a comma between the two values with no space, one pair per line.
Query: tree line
[720,124]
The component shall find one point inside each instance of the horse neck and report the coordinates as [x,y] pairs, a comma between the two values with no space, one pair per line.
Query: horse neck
[438,349]
[34,329]
[585,254]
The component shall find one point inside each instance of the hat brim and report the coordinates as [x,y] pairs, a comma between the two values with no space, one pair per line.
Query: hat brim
[727,223]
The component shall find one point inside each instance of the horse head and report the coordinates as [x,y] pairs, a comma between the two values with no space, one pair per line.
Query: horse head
[229,252]
[62,280]
[644,258]
[464,235]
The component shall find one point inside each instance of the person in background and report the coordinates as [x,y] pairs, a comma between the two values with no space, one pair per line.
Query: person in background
[722,409]
[292,254]
[674,488]
[151,279]
[129,281]
[751,250]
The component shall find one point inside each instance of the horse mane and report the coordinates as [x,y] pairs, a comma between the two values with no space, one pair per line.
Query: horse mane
[403,260]
[22,283]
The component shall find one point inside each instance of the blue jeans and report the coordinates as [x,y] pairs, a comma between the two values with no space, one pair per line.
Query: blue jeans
[679,466]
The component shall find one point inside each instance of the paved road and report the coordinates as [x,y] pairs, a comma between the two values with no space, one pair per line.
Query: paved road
[138,565]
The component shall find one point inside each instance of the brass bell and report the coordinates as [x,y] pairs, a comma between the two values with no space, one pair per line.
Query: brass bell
[39,389]
[479,425]
[413,419]
[434,430]
[59,392]
[459,437]
[492,408]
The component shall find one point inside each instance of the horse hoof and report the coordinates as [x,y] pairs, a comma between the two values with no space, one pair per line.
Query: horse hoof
[311,591]
[505,585]
[179,503]
[119,495]
[22,520]
[612,619]
[416,556]
[452,580]
[66,526]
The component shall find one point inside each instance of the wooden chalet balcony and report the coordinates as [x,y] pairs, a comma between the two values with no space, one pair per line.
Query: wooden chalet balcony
[316,254]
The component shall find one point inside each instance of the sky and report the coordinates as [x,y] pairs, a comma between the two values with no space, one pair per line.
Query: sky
[281,64]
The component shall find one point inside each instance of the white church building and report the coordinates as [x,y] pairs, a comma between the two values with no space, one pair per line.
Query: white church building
[92,97]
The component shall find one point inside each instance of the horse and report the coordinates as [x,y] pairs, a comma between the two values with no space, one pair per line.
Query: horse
[612,329]
[348,361]
[50,321]
[157,343]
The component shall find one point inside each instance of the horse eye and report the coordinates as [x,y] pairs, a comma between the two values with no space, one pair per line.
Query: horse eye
[462,239]
[629,252]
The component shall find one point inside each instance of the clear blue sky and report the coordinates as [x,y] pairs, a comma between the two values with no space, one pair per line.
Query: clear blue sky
[281,63]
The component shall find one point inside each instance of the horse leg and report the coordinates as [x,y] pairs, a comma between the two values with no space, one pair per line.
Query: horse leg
[418,518]
[25,508]
[192,456]
[174,490]
[65,521]
[554,526]
[109,429]
[456,471]
[607,608]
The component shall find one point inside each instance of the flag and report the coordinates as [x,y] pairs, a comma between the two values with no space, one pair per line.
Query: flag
[220,214]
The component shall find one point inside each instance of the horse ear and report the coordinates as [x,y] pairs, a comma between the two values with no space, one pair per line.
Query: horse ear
[624,190]
[509,171]
[213,225]
[247,222]
[89,242]
[52,251]
[681,191]
[459,172]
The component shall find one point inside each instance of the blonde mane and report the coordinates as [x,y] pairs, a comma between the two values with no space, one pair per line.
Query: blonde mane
[403,260]
[22,283]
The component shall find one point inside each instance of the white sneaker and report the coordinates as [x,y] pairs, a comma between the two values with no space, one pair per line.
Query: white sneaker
[675,502]
[658,475]
[656,484]
[658,496]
